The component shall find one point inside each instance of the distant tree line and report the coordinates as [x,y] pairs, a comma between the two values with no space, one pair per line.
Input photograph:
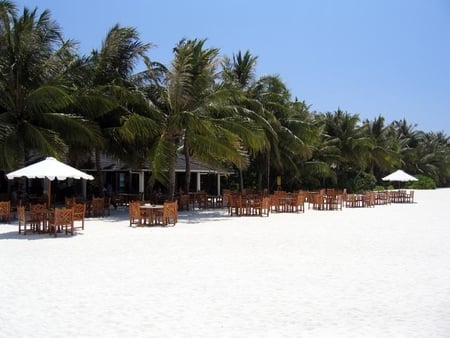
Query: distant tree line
[209,107]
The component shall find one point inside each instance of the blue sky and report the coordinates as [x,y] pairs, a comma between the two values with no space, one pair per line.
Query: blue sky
[379,57]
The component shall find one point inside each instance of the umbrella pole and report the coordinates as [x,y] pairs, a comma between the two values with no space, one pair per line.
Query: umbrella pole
[49,193]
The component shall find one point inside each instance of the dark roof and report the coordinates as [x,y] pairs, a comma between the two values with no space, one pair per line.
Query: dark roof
[110,164]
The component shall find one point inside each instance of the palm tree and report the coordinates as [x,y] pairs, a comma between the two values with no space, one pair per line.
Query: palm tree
[383,155]
[354,147]
[239,75]
[33,100]
[433,154]
[107,95]
[198,116]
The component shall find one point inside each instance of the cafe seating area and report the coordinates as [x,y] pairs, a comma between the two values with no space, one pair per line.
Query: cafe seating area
[247,204]
[69,219]
[147,214]
[36,217]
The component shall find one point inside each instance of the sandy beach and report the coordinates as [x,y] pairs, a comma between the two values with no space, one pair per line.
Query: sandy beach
[359,272]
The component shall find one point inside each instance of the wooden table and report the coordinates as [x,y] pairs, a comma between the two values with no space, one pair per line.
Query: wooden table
[148,214]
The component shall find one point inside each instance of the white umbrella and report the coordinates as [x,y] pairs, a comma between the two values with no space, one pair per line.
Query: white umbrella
[399,176]
[51,169]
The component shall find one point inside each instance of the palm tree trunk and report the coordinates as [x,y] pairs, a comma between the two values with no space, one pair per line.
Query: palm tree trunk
[172,178]
[99,172]
[187,159]
[241,178]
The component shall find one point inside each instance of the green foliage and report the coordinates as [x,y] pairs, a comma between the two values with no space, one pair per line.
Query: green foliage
[424,182]
[364,182]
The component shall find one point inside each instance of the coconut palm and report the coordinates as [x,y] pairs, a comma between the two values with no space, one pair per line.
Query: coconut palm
[107,95]
[383,155]
[347,136]
[198,116]
[33,55]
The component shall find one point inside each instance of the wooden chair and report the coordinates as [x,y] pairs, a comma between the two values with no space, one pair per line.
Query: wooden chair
[253,206]
[38,212]
[202,200]
[135,213]
[5,210]
[98,206]
[69,201]
[226,194]
[79,212]
[169,214]
[61,219]
[265,206]
[235,205]
[25,220]
[299,203]
[369,199]
[409,197]
[318,202]
[184,202]
[107,205]
[275,202]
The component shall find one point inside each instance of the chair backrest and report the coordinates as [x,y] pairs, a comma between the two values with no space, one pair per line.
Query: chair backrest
[79,210]
[5,208]
[69,201]
[38,207]
[63,216]
[98,202]
[21,214]
[170,212]
[134,209]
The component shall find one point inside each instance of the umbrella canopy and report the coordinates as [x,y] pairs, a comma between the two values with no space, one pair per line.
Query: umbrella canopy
[399,176]
[51,169]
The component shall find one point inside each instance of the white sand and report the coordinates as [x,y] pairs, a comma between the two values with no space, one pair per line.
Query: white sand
[372,272]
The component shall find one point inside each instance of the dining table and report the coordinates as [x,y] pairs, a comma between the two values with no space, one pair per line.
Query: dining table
[149,212]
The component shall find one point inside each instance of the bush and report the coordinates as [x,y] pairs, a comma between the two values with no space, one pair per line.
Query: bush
[364,182]
[424,182]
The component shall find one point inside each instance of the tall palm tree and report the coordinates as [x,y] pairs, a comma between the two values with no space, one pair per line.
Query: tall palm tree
[354,147]
[107,95]
[33,100]
[383,155]
[198,116]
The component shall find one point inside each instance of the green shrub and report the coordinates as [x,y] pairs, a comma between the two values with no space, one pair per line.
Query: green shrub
[424,182]
[364,182]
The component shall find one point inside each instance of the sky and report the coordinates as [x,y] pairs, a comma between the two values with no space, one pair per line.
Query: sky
[371,58]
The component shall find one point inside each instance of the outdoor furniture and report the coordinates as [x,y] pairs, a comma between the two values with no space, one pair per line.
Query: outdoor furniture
[235,205]
[253,205]
[354,201]
[168,214]
[381,197]
[5,210]
[98,207]
[317,201]
[409,197]
[298,203]
[69,201]
[60,219]
[149,214]
[369,199]
[79,212]
[184,202]
[134,213]
[25,220]
[51,169]
[333,202]
[215,201]
[39,212]
[265,206]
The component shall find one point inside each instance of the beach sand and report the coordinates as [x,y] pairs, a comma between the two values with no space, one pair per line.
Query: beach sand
[369,272]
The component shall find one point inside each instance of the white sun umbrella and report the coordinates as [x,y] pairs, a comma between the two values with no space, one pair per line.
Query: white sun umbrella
[51,169]
[399,176]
